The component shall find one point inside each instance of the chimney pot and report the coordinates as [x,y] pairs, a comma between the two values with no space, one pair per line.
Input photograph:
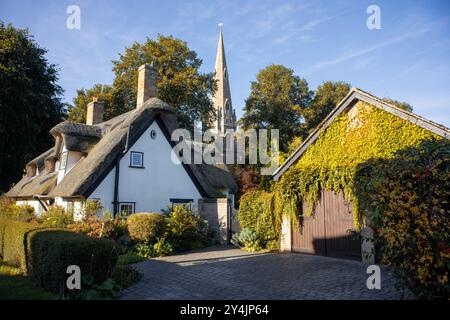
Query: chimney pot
[147,78]
[94,112]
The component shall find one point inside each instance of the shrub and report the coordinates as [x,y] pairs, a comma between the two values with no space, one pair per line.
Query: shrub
[100,227]
[186,230]
[125,275]
[145,227]
[256,213]
[407,202]
[92,208]
[52,251]
[106,290]
[129,257]
[246,239]
[162,247]
[56,217]
[144,250]
[13,235]
[9,210]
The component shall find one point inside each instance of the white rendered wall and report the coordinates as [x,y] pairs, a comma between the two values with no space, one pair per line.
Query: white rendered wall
[160,179]
[105,192]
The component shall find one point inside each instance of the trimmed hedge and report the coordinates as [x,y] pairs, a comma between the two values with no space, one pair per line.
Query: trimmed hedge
[52,251]
[46,253]
[12,239]
[146,227]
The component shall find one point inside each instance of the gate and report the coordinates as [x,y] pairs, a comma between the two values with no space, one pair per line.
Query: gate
[326,232]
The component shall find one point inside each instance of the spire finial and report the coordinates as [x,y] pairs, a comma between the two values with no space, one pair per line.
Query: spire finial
[221,24]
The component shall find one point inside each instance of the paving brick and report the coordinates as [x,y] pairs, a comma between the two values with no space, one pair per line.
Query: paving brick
[224,272]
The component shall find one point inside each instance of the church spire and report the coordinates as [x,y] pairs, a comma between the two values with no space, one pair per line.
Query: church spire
[226,118]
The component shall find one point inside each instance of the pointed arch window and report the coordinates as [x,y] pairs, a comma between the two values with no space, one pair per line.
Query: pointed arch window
[225,73]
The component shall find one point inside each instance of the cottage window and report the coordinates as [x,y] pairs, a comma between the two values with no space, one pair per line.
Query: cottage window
[126,207]
[136,159]
[181,202]
[63,161]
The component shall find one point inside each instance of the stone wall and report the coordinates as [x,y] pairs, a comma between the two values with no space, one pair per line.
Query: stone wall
[216,212]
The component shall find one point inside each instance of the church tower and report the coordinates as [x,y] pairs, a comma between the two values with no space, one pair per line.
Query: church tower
[225,115]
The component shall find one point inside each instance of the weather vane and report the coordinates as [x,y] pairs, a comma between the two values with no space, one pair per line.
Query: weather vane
[221,25]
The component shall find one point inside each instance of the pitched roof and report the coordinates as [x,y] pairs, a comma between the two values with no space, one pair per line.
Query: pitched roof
[40,184]
[349,101]
[118,134]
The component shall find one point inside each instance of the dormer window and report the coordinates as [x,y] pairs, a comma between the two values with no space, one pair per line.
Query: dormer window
[63,161]
[136,159]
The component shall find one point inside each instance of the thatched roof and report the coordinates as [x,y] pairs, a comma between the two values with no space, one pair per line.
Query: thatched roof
[40,184]
[106,142]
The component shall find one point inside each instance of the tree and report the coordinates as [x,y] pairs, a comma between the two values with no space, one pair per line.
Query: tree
[276,101]
[30,103]
[180,82]
[327,96]
[104,93]
[402,105]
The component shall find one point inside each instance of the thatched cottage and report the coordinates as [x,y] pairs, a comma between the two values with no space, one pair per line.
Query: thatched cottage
[125,163]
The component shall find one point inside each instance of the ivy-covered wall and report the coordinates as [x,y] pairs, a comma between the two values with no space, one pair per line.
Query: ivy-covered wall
[365,132]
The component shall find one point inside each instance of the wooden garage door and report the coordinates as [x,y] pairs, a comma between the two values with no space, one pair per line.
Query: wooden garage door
[326,232]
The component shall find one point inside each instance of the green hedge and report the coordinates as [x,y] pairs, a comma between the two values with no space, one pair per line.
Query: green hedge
[46,253]
[146,227]
[12,239]
[52,251]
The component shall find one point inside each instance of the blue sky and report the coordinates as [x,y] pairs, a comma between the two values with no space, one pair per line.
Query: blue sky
[408,59]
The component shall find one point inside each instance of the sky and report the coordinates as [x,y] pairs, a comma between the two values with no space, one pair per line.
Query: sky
[408,59]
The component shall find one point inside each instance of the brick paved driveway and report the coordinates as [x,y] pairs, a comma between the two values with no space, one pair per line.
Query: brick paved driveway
[227,273]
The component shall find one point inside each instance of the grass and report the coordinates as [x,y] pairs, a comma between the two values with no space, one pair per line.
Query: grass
[15,286]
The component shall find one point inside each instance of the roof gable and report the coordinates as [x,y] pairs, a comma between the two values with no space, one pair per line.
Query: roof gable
[348,102]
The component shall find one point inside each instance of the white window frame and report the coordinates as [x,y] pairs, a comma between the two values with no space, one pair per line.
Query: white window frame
[134,153]
[132,204]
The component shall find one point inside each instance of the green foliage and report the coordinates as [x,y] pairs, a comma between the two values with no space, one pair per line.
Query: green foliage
[30,102]
[402,105]
[186,230]
[104,93]
[144,250]
[247,239]
[276,101]
[125,275]
[56,217]
[92,208]
[13,235]
[406,200]
[330,162]
[256,213]
[162,247]
[9,210]
[129,257]
[107,227]
[52,251]
[145,227]
[180,82]
[326,98]
[106,290]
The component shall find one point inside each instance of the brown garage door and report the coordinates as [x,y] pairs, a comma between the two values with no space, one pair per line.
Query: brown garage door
[326,232]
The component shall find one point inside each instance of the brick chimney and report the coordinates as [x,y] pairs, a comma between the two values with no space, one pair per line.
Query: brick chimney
[147,77]
[94,113]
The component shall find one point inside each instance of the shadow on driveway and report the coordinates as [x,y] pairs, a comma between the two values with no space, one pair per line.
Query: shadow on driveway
[224,272]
